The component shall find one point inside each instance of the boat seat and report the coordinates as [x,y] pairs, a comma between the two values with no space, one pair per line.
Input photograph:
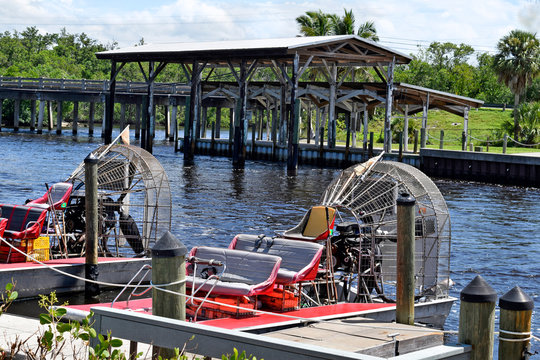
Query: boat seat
[3,224]
[244,273]
[23,222]
[315,225]
[299,259]
[60,193]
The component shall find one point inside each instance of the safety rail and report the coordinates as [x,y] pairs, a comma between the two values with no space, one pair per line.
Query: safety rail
[89,85]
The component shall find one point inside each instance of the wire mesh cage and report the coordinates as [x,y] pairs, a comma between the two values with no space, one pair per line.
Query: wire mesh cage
[367,193]
[134,201]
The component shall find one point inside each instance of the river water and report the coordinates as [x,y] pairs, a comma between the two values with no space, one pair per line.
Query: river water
[495,229]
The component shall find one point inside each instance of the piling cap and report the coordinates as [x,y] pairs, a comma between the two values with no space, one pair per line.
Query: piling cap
[478,291]
[91,159]
[169,246]
[406,199]
[516,300]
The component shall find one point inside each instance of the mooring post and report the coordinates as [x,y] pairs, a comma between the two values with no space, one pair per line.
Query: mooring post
[91,207]
[515,324]
[463,141]
[415,141]
[477,318]
[505,143]
[405,259]
[168,273]
[441,141]
[400,153]
[423,140]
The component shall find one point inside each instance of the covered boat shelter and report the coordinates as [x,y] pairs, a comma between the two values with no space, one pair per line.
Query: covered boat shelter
[288,59]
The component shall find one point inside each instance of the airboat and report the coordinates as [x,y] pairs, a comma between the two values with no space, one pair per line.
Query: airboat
[342,253]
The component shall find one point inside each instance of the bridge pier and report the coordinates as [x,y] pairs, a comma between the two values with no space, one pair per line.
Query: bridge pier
[75,118]
[16,114]
[91,113]
[59,107]
[49,115]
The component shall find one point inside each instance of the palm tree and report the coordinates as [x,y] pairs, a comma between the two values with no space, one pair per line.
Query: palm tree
[343,25]
[517,62]
[367,31]
[315,24]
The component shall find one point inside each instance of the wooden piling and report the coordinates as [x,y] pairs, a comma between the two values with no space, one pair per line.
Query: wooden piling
[168,273]
[41,115]
[1,104]
[16,114]
[50,116]
[423,140]
[59,107]
[415,141]
[441,140]
[400,153]
[91,208]
[75,117]
[515,324]
[477,318]
[505,143]
[405,259]
[91,115]
[463,141]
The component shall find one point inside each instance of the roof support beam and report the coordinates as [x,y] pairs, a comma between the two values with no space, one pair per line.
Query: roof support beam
[388,112]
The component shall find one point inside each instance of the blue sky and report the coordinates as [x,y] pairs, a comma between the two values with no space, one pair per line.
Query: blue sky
[402,25]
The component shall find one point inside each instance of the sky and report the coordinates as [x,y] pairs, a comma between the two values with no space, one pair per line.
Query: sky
[403,25]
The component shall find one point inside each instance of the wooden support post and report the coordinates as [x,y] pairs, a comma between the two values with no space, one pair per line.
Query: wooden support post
[415,141]
[354,126]
[174,123]
[204,122]
[41,114]
[366,118]
[253,136]
[1,106]
[75,117]
[317,124]
[441,140]
[213,140]
[259,119]
[16,114]
[405,259]
[505,143]
[109,104]
[150,110]
[309,131]
[463,141]
[400,154]
[388,107]
[423,136]
[59,107]
[240,121]
[348,139]
[92,225]
[167,122]
[188,124]
[283,115]
[49,116]
[231,129]
[268,120]
[274,131]
[144,121]
[168,272]
[294,121]
[218,122]
[406,129]
[370,146]
[477,318]
[32,115]
[321,146]
[122,116]
[138,111]
[466,124]
[91,114]
[487,144]
[515,325]
[332,107]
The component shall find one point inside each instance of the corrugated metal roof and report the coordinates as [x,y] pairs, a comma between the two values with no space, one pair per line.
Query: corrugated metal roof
[272,48]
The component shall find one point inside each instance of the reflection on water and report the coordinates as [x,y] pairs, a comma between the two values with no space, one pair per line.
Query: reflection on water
[495,229]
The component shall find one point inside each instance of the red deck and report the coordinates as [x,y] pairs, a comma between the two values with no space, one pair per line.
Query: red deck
[320,312]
